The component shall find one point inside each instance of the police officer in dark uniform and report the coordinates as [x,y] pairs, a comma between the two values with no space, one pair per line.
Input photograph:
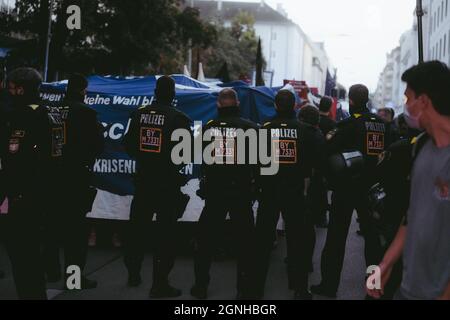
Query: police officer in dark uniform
[319,189]
[295,149]
[67,225]
[227,187]
[3,122]
[326,124]
[370,135]
[389,199]
[32,167]
[157,184]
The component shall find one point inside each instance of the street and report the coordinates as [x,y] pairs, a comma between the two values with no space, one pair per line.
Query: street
[106,266]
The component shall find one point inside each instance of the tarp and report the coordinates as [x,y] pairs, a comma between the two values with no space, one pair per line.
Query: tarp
[115,99]
[4,52]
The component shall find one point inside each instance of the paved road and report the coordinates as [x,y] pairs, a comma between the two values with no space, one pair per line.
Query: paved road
[106,266]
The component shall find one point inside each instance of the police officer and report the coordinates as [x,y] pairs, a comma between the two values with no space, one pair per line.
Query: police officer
[67,225]
[326,124]
[295,148]
[319,190]
[3,122]
[157,183]
[32,164]
[370,135]
[227,187]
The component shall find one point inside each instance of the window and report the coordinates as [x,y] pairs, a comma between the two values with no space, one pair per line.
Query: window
[274,54]
[440,49]
[432,55]
[438,17]
[274,36]
[434,22]
[431,24]
[446,8]
[442,11]
[444,50]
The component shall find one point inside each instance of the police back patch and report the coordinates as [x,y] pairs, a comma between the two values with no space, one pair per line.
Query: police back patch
[151,140]
[375,143]
[285,151]
[57,141]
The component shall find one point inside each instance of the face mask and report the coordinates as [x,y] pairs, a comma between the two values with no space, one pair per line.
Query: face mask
[412,121]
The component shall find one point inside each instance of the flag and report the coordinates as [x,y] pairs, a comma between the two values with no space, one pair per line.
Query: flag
[330,84]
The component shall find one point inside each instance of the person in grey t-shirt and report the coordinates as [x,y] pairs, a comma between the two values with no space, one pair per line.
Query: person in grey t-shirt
[424,239]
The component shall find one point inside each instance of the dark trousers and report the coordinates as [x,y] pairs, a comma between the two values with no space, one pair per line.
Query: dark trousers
[290,202]
[213,217]
[66,226]
[318,198]
[344,201]
[147,202]
[66,229]
[24,249]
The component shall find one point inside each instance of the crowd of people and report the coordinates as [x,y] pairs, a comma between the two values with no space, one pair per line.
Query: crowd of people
[395,172]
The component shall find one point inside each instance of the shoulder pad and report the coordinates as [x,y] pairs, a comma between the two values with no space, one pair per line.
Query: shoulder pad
[357,115]
[34,106]
[210,121]
[414,140]
[142,107]
[267,124]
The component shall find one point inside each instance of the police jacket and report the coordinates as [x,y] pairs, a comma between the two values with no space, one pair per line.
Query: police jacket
[363,132]
[296,148]
[149,142]
[32,149]
[231,164]
[83,138]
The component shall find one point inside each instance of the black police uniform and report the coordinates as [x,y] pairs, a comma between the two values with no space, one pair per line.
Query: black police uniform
[297,145]
[227,188]
[66,226]
[3,123]
[157,185]
[390,199]
[326,124]
[32,171]
[319,190]
[370,135]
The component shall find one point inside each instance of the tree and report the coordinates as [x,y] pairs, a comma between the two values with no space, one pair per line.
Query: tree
[236,46]
[117,37]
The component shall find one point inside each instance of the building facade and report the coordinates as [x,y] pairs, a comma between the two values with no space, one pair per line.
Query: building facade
[288,51]
[436,38]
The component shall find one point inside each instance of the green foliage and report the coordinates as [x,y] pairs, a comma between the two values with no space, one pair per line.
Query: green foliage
[237,46]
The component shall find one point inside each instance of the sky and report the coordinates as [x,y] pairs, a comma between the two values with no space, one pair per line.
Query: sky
[357,33]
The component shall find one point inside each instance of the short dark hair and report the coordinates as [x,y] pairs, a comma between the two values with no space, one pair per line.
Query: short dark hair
[228,97]
[325,104]
[165,89]
[285,100]
[28,78]
[309,114]
[77,83]
[433,79]
[359,94]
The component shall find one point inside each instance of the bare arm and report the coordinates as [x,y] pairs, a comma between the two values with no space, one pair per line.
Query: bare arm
[390,259]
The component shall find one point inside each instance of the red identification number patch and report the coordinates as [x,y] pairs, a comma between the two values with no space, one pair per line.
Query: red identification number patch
[285,151]
[151,140]
[375,143]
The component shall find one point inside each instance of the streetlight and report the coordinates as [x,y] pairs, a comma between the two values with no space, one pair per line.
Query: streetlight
[420,14]
[49,36]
